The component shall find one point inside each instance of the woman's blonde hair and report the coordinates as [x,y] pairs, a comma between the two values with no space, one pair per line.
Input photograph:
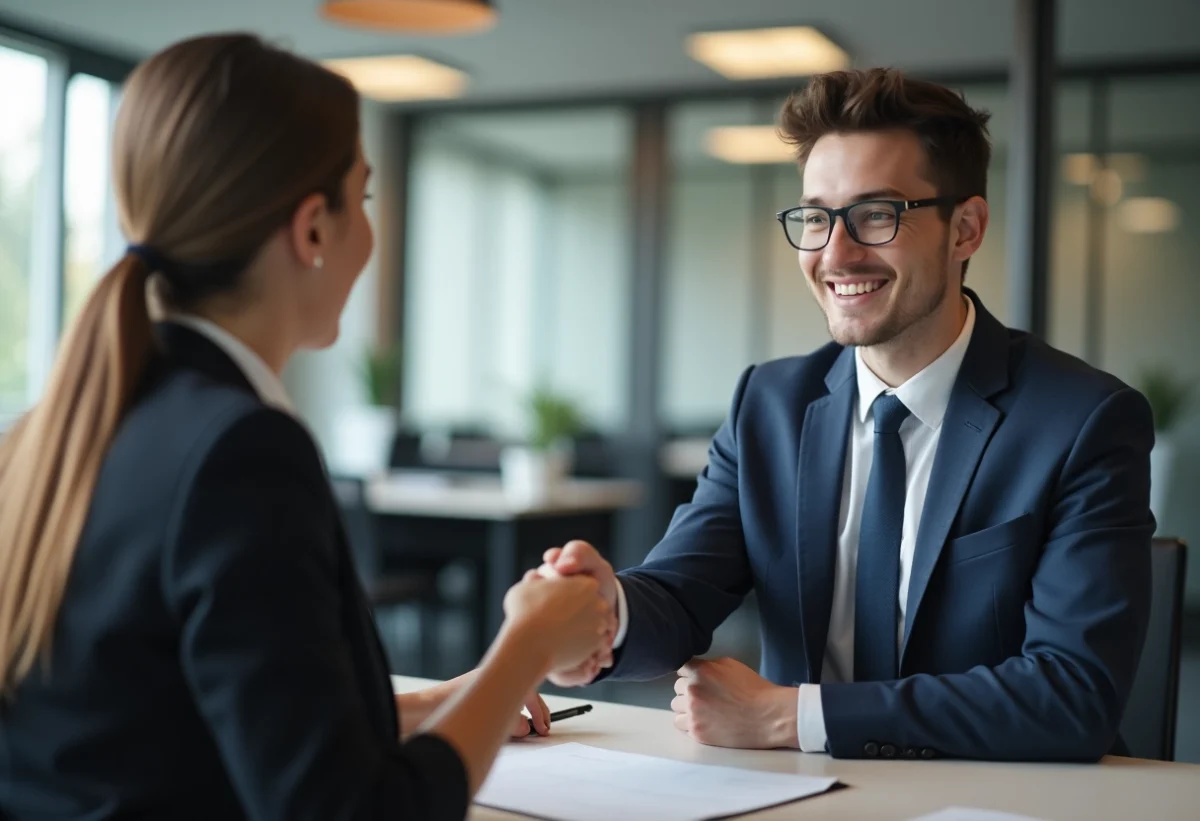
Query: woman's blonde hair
[217,142]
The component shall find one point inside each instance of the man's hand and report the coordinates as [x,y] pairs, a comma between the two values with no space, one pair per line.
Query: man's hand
[581,557]
[726,704]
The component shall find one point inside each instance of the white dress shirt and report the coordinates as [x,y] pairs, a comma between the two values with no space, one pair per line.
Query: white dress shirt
[266,382]
[926,395]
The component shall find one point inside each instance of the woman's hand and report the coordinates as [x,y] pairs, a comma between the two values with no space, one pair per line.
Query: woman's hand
[417,706]
[565,618]
[540,714]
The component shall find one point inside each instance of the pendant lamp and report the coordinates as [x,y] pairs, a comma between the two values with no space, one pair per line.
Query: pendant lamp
[414,16]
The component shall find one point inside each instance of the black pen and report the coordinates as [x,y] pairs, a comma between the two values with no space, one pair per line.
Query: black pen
[561,714]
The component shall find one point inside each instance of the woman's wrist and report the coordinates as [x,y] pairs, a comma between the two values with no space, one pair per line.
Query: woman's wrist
[416,706]
[522,643]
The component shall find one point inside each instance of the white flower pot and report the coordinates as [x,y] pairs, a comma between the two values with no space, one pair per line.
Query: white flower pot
[362,439]
[529,475]
[1162,459]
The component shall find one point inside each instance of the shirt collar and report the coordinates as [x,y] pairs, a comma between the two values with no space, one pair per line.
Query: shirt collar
[266,382]
[927,393]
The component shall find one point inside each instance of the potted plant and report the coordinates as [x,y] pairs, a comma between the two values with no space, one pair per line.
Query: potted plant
[531,471]
[1169,398]
[365,430]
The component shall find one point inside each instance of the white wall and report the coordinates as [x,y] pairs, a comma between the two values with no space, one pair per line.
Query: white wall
[513,281]
[439,373]
[707,293]
[586,288]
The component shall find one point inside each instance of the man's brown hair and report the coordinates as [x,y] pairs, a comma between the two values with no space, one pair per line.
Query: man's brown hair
[954,135]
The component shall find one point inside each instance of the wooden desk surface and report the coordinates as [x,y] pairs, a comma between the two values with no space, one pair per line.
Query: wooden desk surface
[1122,789]
[468,496]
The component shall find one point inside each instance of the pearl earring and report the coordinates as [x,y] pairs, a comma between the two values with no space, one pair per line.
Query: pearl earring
[318,261]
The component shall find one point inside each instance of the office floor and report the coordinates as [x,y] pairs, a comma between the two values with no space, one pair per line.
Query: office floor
[738,638]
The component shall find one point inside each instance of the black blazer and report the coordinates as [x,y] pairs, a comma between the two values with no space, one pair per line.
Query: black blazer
[214,656]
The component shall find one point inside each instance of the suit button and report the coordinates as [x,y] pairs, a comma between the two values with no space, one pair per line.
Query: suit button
[888,751]
[871,749]
[910,752]
[928,753]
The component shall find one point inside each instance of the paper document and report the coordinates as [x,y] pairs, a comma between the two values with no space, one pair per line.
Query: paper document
[969,814]
[575,782]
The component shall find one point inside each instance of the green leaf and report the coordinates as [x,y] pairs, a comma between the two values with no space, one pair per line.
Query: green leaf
[380,372]
[1169,397]
[553,418]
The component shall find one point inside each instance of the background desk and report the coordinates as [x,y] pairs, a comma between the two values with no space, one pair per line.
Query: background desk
[1118,788]
[439,516]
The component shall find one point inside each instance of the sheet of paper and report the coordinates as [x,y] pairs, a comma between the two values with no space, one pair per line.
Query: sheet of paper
[575,782]
[971,814]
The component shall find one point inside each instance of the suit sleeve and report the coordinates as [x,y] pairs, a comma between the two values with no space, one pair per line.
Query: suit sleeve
[1085,623]
[696,576]
[251,575]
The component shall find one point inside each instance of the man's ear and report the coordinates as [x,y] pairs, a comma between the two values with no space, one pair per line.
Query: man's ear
[968,225]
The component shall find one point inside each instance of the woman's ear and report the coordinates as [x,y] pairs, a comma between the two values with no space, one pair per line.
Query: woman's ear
[310,230]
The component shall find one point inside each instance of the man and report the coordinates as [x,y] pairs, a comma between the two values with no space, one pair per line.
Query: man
[946,521]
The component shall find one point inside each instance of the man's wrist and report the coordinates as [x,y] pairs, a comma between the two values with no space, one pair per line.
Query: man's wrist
[782,715]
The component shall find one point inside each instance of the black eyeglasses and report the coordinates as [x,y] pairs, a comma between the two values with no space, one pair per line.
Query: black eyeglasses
[870,222]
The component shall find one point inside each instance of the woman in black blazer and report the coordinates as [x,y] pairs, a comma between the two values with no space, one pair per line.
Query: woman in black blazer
[182,633]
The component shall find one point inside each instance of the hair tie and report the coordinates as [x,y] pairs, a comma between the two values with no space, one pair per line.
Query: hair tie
[149,257]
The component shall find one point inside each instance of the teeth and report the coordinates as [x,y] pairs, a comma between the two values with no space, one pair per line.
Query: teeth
[855,288]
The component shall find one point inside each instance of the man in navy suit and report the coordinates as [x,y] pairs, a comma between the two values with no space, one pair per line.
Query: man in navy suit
[946,521]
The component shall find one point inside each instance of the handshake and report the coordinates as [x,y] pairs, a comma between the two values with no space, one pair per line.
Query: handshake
[568,607]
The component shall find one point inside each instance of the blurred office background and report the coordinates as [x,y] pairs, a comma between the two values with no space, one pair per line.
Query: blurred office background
[571,200]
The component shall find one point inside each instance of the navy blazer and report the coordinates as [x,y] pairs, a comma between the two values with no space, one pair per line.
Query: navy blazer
[214,656]
[1030,586]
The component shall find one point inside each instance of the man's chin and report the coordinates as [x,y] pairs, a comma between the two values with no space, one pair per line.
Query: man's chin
[856,333]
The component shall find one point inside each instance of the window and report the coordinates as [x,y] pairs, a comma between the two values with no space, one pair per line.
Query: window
[92,238]
[518,267]
[25,78]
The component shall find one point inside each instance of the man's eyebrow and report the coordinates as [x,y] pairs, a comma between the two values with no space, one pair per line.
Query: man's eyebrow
[875,194]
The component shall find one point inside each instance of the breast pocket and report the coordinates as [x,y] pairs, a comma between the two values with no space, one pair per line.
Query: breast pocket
[989,540]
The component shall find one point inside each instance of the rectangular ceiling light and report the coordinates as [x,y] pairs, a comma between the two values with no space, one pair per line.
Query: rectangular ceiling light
[1148,215]
[748,144]
[401,77]
[1081,169]
[754,54]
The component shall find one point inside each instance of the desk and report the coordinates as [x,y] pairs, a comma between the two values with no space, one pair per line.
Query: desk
[684,458]
[1122,789]
[442,516]
[471,496]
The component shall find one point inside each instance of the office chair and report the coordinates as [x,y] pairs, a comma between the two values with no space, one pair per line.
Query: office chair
[1148,726]
[388,586]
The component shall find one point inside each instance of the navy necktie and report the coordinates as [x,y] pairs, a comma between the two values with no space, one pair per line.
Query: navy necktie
[877,583]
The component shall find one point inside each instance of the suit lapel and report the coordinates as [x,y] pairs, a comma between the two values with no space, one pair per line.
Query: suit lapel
[823,441]
[966,429]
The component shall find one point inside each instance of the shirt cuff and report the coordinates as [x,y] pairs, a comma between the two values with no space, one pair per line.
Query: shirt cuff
[810,720]
[622,617]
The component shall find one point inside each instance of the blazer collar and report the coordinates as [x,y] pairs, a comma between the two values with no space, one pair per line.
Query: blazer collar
[190,349]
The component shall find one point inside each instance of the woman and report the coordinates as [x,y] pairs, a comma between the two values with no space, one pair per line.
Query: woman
[181,630]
